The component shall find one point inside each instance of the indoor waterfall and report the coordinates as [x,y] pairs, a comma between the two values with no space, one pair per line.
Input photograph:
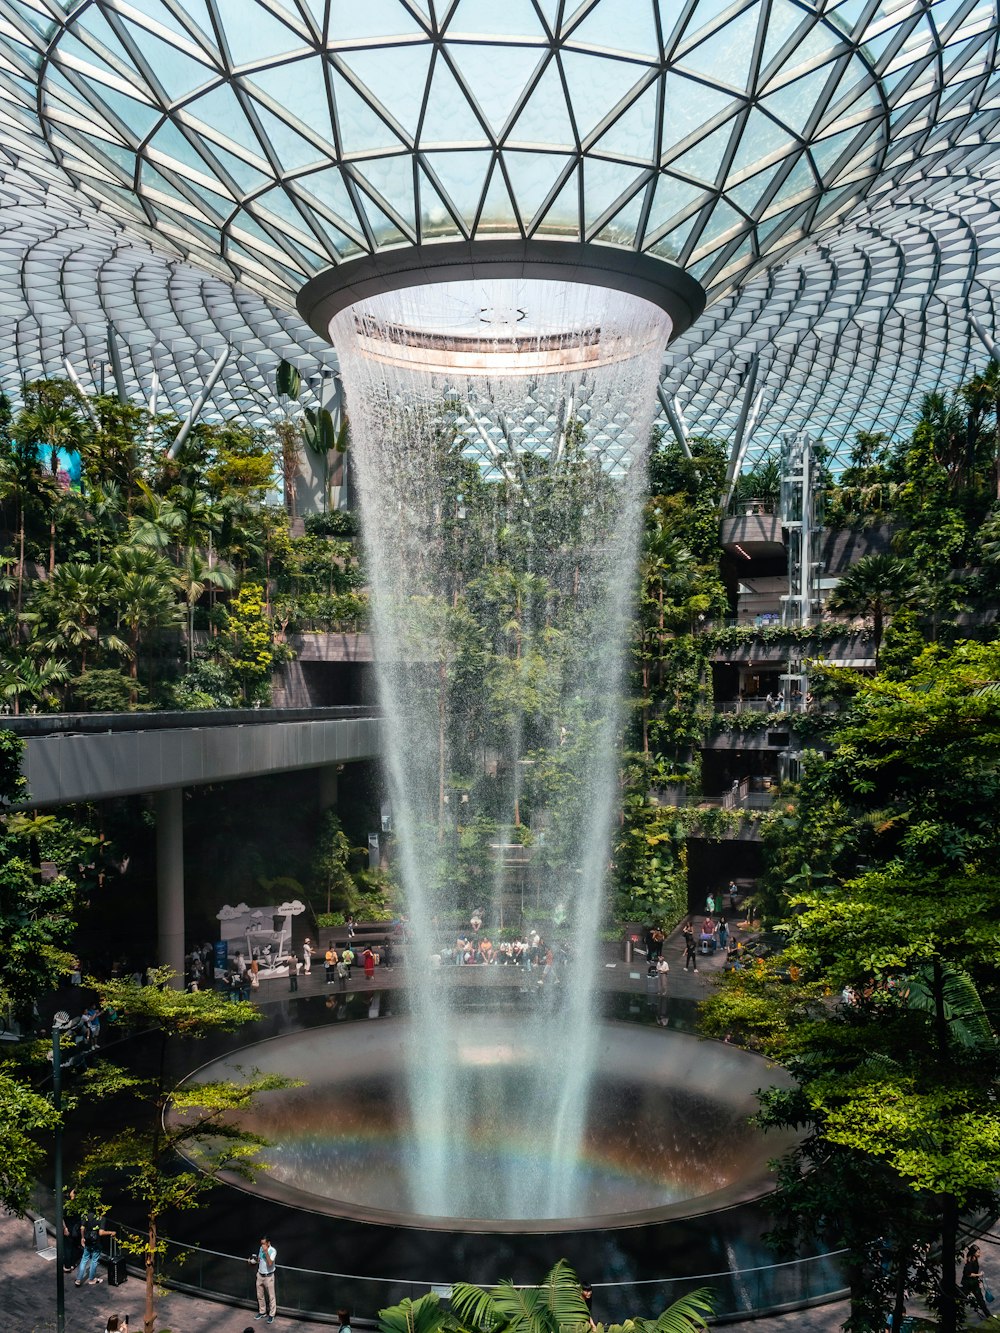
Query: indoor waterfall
[499,432]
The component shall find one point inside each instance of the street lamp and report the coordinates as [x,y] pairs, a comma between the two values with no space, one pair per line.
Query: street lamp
[61,1024]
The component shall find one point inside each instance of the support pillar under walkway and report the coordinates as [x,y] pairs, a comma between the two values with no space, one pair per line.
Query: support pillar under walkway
[169,806]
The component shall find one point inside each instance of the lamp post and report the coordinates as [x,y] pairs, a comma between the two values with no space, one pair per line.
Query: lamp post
[60,1025]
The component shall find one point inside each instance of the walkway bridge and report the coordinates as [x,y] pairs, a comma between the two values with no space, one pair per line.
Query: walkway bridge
[74,757]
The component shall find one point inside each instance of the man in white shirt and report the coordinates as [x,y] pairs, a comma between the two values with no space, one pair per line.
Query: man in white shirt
[265,1261]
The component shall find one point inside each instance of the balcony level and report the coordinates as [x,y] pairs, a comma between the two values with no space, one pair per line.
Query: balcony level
[753,532]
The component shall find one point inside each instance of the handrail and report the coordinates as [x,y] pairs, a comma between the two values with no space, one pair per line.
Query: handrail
[49,724]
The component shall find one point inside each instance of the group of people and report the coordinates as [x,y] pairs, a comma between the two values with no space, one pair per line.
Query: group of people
[532,953]
[338,963]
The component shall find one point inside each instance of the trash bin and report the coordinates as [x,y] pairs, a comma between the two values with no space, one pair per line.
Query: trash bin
[630,944]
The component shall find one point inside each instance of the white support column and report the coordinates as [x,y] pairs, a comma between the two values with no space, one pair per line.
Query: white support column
[169,806]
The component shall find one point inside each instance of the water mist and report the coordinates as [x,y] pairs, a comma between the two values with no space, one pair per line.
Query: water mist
[499,432]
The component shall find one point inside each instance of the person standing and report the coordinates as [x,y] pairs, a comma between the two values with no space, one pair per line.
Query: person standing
[307,956]
[72,1232]
[347,957]
[342,975]
[662,973]
[690,956]
[368,958]
[293,972]
[974,1281]
[331,964]
[265,1261]
[91,1233]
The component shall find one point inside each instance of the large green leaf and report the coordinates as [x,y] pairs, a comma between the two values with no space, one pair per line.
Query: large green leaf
[288,380]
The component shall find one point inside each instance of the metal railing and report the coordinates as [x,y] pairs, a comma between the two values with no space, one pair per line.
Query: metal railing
[737,1292]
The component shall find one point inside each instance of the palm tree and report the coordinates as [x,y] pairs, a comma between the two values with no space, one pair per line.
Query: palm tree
[193,578]
[143,598]
[159,523]
[21,480]
[74,597]
[557,1306]
[143,602]
[50,422]
[875,586]
[21,675]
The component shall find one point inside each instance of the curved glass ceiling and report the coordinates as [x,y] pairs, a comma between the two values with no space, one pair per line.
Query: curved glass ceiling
[284,136]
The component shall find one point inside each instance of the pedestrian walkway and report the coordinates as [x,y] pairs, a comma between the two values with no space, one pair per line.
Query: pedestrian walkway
[28,1300]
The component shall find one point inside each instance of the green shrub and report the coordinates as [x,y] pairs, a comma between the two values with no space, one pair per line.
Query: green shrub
[106,691]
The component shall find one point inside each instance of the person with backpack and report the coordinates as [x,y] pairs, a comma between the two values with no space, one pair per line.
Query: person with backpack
[91,1233]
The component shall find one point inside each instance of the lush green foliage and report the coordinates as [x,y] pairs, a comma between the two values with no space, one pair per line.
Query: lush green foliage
[557,1306]
[188,1133]
[885,885]
[129,573]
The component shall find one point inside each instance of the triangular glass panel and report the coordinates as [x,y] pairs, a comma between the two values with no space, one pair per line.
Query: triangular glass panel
[761,139]
[672,245]
[245,176]
[604,183]
[72,48]
[826,153]
[687,106]
[330,191]
[705,158]
[549,10]
[799,181]
[512,18]
[794,103]
[562,218]
[395,77]
[220,110]
[290,149]
[175,71]
[499,214]
[172,143]
[256,35]
[315,10]
[392,179]
[300,90]
[448,117]
[462,177]
[277,203]
[634,132]
[384,229]
[627,26]
[726,56]
[545,118]
[748,195]
[721,221]
[361,130]
[350,21]
[435,218]
[775,226]
[150,178]
[139,117]
[532,176]
[672,197]
[783,19]
[195,10]
[622,228]
[596,86]
[496,76]
[123,158]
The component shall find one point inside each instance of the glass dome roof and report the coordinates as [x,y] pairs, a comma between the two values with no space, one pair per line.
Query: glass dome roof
[285,136]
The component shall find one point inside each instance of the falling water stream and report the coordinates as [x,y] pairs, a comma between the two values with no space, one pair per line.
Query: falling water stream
[499,433]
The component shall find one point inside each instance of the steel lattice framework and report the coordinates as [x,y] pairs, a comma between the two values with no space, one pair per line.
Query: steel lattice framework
[178,168]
